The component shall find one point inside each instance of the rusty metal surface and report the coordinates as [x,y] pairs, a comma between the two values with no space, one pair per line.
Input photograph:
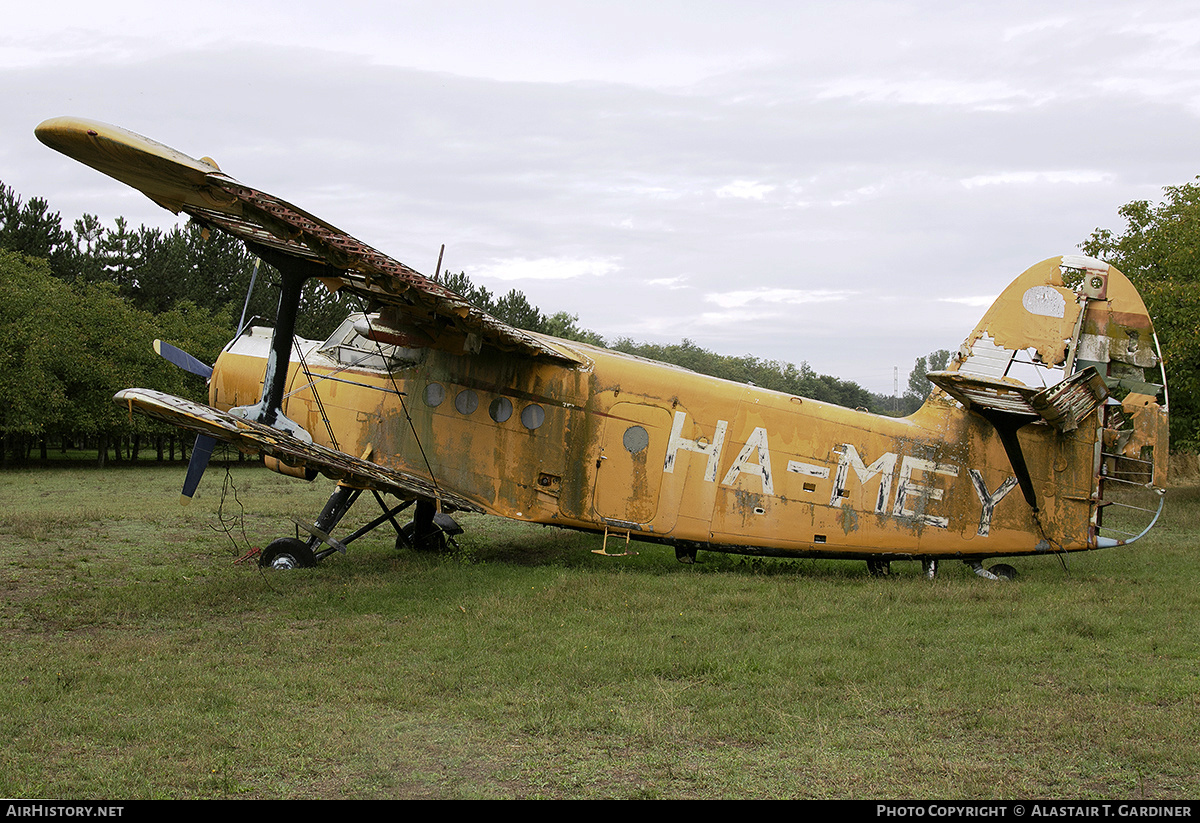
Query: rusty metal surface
[198,188]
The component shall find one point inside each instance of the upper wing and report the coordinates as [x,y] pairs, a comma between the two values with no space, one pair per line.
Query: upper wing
[200,189]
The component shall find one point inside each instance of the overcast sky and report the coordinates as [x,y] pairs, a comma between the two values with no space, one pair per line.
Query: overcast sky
[844,183]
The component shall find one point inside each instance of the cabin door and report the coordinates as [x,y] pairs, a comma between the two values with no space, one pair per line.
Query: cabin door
[630,464]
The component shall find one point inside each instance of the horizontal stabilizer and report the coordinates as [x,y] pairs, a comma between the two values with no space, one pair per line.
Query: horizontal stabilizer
[1063,406]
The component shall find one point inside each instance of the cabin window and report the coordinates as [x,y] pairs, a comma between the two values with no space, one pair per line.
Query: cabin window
[533,416]
[435,393]
[351,349]
[466,401]
[500,409]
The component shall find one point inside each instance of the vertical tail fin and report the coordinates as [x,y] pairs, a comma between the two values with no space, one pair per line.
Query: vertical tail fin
[1069,344]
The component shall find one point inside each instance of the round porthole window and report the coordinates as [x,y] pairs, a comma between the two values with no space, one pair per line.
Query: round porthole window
[500,409]
[434,395]
[635,439]
[466,401]
[533,416]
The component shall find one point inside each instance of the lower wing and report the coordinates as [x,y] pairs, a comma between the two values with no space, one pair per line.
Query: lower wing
[258,438]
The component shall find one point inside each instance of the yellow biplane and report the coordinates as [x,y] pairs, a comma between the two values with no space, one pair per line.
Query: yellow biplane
[1058,393]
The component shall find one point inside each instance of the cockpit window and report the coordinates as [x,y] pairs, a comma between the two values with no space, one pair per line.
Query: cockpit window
[351,349]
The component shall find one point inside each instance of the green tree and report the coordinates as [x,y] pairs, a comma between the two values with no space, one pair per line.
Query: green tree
[33,394]
[801,381]
[918,385]
[1160,252]
[515,309]
[119,254]
[67,348]
[32,229]
[565,326]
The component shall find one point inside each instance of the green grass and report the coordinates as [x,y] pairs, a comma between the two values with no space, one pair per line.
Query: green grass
[140,660]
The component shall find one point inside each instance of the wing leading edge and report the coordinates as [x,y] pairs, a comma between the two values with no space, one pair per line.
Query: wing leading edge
[201,190]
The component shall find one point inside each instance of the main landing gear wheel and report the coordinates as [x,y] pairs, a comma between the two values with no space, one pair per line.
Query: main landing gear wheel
[1000,571]
[287,553]
[429,531]
[879,568]
[428,540]
[1004,571]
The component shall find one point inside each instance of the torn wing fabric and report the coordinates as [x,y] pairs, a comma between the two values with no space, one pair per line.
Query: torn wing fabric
[214,199]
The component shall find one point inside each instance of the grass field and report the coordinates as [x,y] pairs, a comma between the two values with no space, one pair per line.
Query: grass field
[141,661]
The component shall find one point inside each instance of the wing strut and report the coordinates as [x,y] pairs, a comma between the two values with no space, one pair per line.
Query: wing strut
[269,409]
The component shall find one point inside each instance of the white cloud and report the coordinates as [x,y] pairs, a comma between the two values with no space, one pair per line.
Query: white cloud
[629,142]
[679,282]
[745,190]
[545,268]
[976,301]
[738,299]
[1030,178]
[987,95]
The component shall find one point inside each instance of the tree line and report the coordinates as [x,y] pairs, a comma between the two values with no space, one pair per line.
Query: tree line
[81,305]
[514,308]
[1159,251]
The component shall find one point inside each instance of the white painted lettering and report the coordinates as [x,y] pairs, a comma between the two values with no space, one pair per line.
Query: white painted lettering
[756,442]
[711,450]
[809,469]
[989,501]
[922,493]
[848,458]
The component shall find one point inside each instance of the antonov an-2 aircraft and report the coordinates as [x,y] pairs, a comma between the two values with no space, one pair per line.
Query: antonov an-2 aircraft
[1046,434]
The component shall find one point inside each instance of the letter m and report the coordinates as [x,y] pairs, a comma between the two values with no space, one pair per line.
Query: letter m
[848,458]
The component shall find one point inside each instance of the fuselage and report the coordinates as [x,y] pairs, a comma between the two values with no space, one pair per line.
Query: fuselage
[626,445]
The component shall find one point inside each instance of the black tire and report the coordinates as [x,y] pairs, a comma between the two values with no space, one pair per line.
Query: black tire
[287,553]
[879,568]
[433,540]
[1004,571]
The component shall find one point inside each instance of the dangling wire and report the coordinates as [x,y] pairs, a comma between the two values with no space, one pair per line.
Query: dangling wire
[228,522]
[1056,546]
[245,306]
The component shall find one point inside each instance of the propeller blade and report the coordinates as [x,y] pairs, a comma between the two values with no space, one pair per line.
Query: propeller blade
[182,359]
[201,452]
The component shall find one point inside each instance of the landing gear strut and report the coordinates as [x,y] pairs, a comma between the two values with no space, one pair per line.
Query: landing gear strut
[883,568]
[429,529]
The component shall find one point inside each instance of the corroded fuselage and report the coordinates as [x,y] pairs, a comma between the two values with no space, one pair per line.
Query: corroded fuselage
[623,444]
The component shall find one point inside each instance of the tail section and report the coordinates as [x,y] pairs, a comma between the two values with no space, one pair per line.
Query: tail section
[1069,346]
